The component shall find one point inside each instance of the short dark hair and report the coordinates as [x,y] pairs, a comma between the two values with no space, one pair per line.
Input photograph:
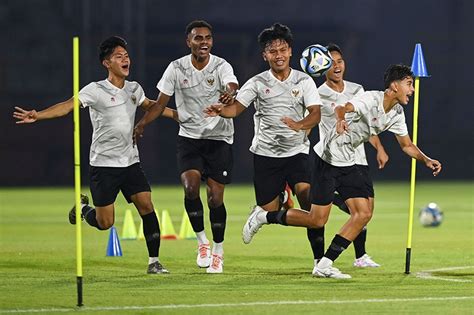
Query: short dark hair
[197,23]
[276,31]
[107,47]
[395,73]
[333,47]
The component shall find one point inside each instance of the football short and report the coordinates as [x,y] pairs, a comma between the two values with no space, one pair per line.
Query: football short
[348,181]
[271,175]
[212,158]
[106,182]
[367,179]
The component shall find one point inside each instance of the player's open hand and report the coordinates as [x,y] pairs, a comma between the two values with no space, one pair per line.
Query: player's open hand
[25,116]
[341,126]
[226,97]
[137,133]
[434,165]
[296,126]
[213,110]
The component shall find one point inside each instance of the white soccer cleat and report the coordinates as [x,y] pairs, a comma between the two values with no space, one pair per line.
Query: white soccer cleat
[216,265]
[203,259]
[329,272]
[252,225]
[365,261]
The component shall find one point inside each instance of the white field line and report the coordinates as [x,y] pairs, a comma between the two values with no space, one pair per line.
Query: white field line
[428,274]
[221,305]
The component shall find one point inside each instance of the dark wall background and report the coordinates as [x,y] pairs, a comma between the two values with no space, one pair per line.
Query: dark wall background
[36,71]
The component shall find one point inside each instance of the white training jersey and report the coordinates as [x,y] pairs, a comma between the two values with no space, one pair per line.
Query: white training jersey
[369,119]
[112,112]
[274,99]
[194,91]
[330,99]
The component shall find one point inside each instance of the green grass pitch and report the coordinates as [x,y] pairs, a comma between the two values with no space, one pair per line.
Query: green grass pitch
[272,275]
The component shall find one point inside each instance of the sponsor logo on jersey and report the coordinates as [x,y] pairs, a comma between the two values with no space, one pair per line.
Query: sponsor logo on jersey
[134,99]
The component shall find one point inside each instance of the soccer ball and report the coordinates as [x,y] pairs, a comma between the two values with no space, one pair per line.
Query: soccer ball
[315,60]
[431,215]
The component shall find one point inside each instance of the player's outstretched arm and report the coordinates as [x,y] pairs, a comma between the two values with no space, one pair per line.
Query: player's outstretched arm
[153,110]
[340,112]
[307,123]
[382,156]
[167,112]
[226,111]
[30,116]
[413,151]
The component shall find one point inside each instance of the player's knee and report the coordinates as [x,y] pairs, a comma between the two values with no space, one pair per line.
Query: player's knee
[105,223]
[363,217]
[318,220]
[214,200]
[191,191]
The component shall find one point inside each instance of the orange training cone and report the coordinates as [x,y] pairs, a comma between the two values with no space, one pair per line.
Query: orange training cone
[167,229]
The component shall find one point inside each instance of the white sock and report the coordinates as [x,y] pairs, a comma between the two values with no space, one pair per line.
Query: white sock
[201,237]
[218,248]
[324,263]
[316,261]
[152,260]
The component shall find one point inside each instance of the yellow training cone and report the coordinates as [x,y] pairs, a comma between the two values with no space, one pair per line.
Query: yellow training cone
[140,235]
[129,231]
[186,230]
[167,229]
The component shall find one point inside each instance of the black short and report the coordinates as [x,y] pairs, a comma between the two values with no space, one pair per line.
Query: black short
[106,182]
[271,175]
[212,158]
[348,181]
[367,179]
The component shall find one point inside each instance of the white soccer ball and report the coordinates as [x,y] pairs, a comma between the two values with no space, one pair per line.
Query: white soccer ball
[315,60]
[431,215]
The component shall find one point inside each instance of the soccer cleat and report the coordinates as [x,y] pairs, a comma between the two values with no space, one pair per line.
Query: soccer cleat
[203,259]
[365,261]
[329,272]
[72,213]
[252,225]
[156,268]
[216,265]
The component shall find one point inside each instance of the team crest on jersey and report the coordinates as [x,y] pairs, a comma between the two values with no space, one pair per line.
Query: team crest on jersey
[295,92]
[267,91]
[185,81]
[112,99]
[210,81]
[134,99]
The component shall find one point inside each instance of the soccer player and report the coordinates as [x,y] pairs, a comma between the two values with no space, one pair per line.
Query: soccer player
[335,167]
[114,160]
[282,96]
[336,90]
[204,146]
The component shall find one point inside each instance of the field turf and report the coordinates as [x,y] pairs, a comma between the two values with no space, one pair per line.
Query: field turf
[272,275]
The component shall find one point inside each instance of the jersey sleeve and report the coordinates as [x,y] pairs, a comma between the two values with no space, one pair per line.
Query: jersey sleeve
[168,81]
[141,95]
[311,95]
[247,93]
[399,126]
[361,103]
[88,95]
[227,74]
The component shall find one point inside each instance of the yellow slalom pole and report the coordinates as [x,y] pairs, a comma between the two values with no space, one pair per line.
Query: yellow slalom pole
[77,169]
[413,177]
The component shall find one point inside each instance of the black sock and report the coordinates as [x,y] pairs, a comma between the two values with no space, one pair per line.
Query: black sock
[277,217]
[359,243]
[338,201]
[151,231]
[195,213]
[218,217]
[338,245]
[89,214]
[316,239]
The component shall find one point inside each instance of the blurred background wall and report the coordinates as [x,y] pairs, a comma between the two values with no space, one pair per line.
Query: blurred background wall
[36,71]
